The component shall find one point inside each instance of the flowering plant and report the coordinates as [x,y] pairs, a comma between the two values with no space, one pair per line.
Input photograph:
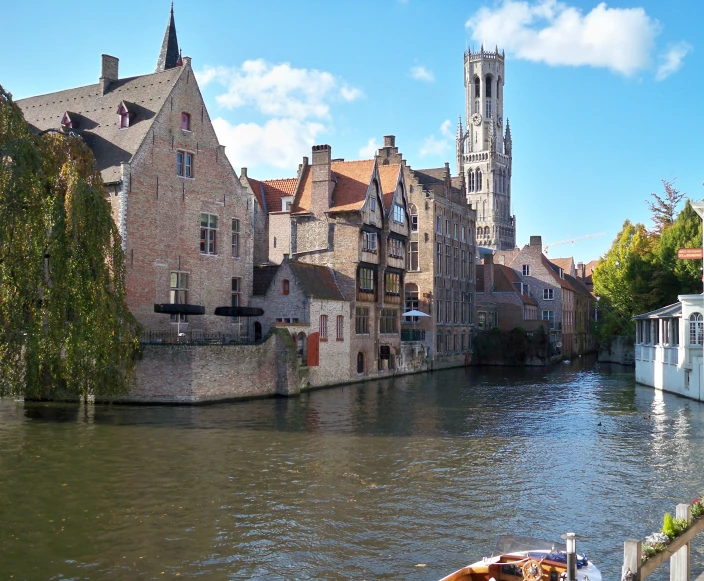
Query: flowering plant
[697,508]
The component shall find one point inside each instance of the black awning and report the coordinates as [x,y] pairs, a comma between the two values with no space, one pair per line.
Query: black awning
[239,311]
[169,309]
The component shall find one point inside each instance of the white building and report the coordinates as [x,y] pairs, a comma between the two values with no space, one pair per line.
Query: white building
[669,347]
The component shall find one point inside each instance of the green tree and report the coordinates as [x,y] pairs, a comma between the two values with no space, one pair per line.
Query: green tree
[65,329]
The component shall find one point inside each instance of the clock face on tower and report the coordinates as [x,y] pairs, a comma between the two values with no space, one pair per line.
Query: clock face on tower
[477,119]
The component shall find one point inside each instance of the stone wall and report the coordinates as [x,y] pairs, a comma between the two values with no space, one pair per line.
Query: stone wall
[171,373]
[619,350]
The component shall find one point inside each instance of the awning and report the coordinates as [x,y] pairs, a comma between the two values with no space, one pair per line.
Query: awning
[170,309]
[239,311]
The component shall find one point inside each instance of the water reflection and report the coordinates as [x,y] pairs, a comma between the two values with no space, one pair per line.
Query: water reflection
[358,482]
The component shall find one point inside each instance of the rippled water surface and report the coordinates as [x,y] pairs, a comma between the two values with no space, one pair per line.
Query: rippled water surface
[359,482]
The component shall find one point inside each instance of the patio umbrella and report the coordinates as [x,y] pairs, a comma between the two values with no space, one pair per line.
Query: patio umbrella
[415,313]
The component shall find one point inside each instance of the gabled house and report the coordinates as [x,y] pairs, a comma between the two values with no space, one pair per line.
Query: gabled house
[183,216]
[350,216]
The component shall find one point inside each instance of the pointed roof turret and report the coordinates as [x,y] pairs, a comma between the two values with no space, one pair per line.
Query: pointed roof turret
[169,55]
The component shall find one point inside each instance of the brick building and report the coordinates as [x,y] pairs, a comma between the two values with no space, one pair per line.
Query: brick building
[351,217]
[184,218]
[503,299]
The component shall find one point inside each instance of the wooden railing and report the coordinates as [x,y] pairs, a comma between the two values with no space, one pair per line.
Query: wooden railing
[678,552]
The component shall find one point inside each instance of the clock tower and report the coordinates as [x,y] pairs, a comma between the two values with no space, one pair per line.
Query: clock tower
[484,149]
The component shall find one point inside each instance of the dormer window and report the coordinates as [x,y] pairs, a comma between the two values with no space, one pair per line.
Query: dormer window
[123,116]
[185,121]
[286,203]
[372,204]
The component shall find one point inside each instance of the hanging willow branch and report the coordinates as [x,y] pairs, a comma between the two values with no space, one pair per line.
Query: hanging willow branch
[65,329]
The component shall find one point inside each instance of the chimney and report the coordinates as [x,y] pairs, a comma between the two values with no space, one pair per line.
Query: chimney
[537,241]
[243,172]
[488,272]
[322,184]
[108,72]
[286,255]
[581,271]
[389,141]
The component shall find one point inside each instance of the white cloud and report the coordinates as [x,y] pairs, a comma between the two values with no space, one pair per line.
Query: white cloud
[549,31]
[438,145]
[671,61]
[369,150]
[279,142]
[420,73]
[278,90]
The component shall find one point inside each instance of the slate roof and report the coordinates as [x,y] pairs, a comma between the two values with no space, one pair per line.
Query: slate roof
[169,54]
[674,310]
[98,121]
[262,276]
[317,280]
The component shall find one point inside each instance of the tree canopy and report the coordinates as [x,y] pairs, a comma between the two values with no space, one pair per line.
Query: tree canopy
[65,329]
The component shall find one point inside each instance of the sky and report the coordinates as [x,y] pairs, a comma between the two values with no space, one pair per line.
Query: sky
[603,98]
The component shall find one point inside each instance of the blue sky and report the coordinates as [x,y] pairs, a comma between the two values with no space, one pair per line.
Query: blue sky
[603,99]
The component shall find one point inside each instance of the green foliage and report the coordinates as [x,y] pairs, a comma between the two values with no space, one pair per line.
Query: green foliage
[679,525]
[65,329]
[641,271]
[668,526]
[664,207]
[513,347]
[697,508]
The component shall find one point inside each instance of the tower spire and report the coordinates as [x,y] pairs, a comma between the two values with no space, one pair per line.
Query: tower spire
[169,55]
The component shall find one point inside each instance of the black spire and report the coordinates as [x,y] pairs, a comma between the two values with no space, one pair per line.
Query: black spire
[168,57]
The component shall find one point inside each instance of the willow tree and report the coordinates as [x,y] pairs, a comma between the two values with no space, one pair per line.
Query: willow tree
[65,330]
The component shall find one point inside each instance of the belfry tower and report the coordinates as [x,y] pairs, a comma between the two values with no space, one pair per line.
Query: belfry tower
[484,149]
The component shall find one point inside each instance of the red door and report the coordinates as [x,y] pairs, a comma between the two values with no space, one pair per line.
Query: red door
[314,350]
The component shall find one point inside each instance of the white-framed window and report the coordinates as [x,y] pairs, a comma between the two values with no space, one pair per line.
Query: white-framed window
[438,258]
[548,294]
[340,335]
[399,214]
[372,204]
[208,233]
[323,327]
[413,211]
[184,164]
[286,203]
[696,329]
[549,316]
[369,241]
[412,256]
[123,117]
[438,226]
[235,237]
[526,270]
[178,292]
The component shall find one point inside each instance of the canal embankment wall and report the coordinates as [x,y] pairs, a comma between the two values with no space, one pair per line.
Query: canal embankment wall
[618,350]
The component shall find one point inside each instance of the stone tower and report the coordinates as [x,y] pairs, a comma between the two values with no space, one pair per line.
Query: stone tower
[484,150]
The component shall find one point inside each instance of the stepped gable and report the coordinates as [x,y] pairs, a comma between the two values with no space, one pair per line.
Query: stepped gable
[263,274]
[317,281]
[99,126]
[388,175]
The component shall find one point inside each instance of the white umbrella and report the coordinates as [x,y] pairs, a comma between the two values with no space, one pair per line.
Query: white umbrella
[415,313]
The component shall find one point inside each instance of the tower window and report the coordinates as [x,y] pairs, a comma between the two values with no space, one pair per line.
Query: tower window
[488,87]
[477,91]
[479,180]
[488,109]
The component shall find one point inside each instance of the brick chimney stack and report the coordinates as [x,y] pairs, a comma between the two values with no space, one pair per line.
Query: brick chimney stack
[488,272]
[108,72]
[322,184]
[389,141]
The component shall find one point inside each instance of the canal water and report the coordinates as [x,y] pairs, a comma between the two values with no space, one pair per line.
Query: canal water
[409,478]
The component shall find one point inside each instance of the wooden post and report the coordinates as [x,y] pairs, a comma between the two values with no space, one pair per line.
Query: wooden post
[631,560]
[679,562]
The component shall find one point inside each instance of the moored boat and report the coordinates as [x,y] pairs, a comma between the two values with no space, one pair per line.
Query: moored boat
[527,559]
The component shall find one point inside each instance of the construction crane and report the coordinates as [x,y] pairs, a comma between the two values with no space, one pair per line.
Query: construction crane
[571,241]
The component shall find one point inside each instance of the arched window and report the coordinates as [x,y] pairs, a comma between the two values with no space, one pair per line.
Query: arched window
[696,329]
[470,185]
[413,211]
[486,232]
[477,91]
[360,362]
[479,180]
[498,90]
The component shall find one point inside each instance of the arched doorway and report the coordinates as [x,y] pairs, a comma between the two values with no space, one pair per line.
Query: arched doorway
[257,330]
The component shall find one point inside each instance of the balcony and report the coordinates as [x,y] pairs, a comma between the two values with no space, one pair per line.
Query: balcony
[412,335]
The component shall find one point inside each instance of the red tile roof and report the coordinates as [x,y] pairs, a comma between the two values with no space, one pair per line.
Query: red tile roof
[566,264]
[275,190]
[389,175]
